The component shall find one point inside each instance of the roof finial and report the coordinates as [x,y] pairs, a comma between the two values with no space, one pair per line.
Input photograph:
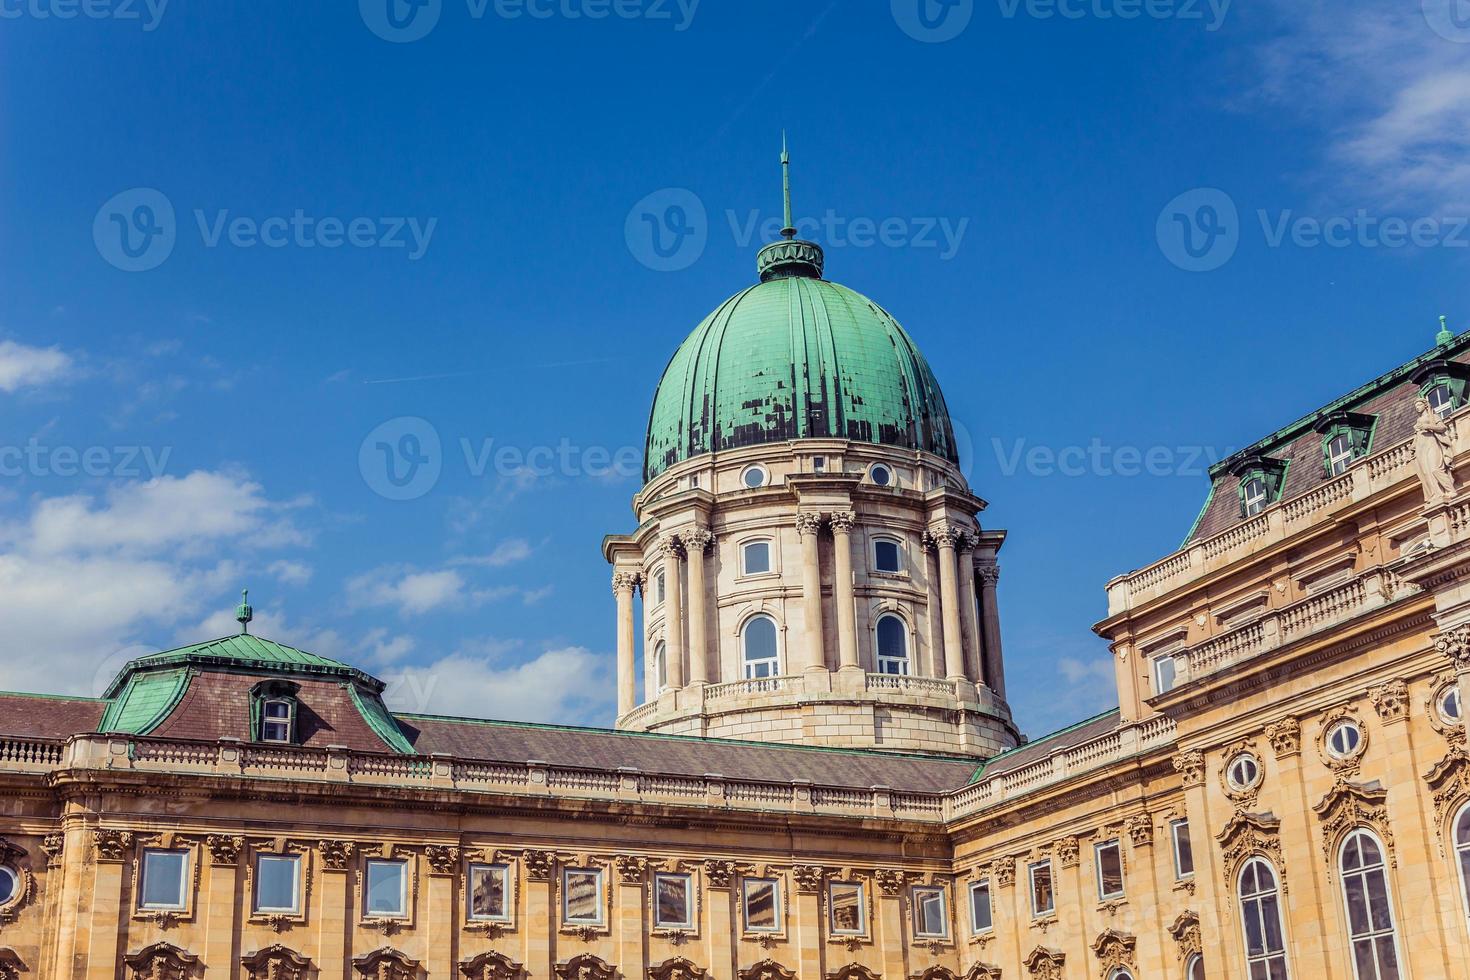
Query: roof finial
[790,230]
[243,613]
[1444,336]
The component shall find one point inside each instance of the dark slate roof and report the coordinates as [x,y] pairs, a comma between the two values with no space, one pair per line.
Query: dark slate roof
[683,755]
[43,716]
[1035,751]
[1390,398]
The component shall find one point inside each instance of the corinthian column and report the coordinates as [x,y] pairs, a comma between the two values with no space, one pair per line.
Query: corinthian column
[623,585]
[673,614]
[995,671]
[847,650]
[945,539]
[974,668]
[696,543]
[807,526]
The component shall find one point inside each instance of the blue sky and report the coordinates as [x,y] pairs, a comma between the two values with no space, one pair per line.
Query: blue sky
[1108,225]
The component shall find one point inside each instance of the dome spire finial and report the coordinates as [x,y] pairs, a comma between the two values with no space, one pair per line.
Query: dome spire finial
[1445,335]
[789,231]
[244,613]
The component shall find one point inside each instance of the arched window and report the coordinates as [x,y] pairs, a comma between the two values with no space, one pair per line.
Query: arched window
[755,557]
[1370,917]
[893,646]
[1340,454]
[1195,969]
[1254,496]
[1462,852]
[661,667]
[273,710]
[1121,973]
[1441,398]
[759,644]
[1260,912]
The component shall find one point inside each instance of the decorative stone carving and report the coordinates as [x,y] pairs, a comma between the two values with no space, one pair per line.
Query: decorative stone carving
[844,521]
[1185,930]
[631,868]
[1141,830]
[1244,797]
[1449,784]
[492,966]
[1390,700]
[161,961]
[808,523]
[1068,851]
[1249,834]
[677,968]
[1351,805]
[946,536]
[1285,737]
[224,849]
[1005,871]
[853,971]
[586,967]
[539,864]
[336,854]
[386,964]
[720,874]
[14,855]
[1045,963]
[53,845]
[983,971]
[891,881]
[1191,767]
[1433,454]
[112,845]
[1114,951]
[625,582]
[935,973]
[276,963]
[1342,765]
[11,965]
[1455,644]
[766,970]
[808,877]
[697,541]
[443,859]
[672,548]
[988,575]
[1453,730]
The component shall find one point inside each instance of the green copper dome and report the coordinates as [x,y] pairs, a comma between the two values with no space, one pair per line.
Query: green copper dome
[795,357]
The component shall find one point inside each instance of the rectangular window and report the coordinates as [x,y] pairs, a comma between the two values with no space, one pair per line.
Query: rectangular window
[980,913]
[1043,897]
[582,896]
[489,892]
[1166,674]
[277,883]
[845,903]
[387,889]
[762,904]
[1183,852]
[757,557]
[1109,869]
[930,920]
[164,874]
[275,724]
[673,901]
[886,556]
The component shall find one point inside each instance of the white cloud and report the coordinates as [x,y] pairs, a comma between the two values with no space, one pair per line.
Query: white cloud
[570,684]
[506,553]
[31,367]
[411,592]
[1089,673]
[290,572]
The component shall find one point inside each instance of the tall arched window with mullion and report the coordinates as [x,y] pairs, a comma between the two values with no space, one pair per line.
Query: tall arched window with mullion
[893,645]
[1260,911]
[1462,854]
[1369,909]
[759,648]
[661,667]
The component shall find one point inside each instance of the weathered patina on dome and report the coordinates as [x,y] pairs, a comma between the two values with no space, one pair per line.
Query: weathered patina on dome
[796,357]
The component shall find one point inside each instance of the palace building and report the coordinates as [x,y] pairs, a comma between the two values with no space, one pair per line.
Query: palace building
[815,774]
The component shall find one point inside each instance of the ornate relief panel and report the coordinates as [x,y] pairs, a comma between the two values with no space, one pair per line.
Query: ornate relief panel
[112,846]
[442,859]
[766,970]
[1045,963]
[1191,767]
[276,963]
[677,968]
[161,961]
[14,857]
[1114,950]
[1390,701]
[224,849]
[983,971]
[586,967]
[853,971]
[1449,785]
[1249,834]
[386,964]
[1285,737]
[1185,930]
[11,966]
[492,966]
[1350,805]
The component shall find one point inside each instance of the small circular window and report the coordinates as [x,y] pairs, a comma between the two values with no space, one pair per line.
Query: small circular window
[1448,704]
[754,476]
[9,885]
[1344,739]
[881,475]
[1244,772]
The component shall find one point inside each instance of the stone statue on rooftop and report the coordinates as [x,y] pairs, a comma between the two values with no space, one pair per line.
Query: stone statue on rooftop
[1433,453]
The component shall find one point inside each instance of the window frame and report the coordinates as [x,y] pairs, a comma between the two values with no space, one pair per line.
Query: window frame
[746,663]
[765,477]
[1258,898]
[1036,911]
[599,894]
[1338,727]
[1157,663]
[770,546]
[1238,785]
[368,889]
[915,904]
[1175,826]
[880,660]
[1252,504]
[266,721]
[144,874]
[1441,702]
[1357,429]
[890,483]
[1364,872]
[1441,384]
[660,667]
[862,908]
[1460,849]
[506,893]
[976,929]
[777,910]
[295,860]
[900,565]
[1194,967]
[1115,844]
[13,876]
[690,913]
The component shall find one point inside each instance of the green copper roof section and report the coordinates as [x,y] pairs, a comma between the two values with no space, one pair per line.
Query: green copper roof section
[145,701]
[380,721]
[796,357]
[246,653]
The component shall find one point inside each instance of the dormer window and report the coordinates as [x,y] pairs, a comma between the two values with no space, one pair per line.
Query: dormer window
[1441,398]
[278,721]
[1346,437]
[1254,496]
[1443,384]
[1261,480]
[1339,454]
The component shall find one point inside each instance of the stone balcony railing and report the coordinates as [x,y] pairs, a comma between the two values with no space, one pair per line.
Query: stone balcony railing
[334,765]
[1365,478]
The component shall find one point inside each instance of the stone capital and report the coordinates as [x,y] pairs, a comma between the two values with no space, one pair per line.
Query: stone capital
[671,547]
[843,522]
[988,575]
[625,582]
[946,536]
[808,523]
[697,540]
[1454,644]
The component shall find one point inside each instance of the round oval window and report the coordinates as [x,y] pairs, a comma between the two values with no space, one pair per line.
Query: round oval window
[1244,772]
[881,475]
[9,885]
[1449,704]
[753,477]
[1343,739]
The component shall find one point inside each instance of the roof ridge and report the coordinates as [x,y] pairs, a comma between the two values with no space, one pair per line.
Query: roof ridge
[1045,738]
[52,697]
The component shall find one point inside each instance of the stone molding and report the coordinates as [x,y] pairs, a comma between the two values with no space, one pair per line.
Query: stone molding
[844,521]
[626,582]
[224,849]
[539,865]
[443,859]
[1390,700]
[853,971]
[1349,764]
[983,971]
[1140,830]
[11,965]
[1045,963]
[808,877]
[336,855]
[1187,937]
[677,968]
[1115,951]
[766,970]
[586,966]
[492,966]
[720,874]
[1250,835]
[161,961]
[808,523]
[697,540]
[1068,851]
[276,963]
[631,868]
[53,845]
[1348,807]
[1285,737]
[1454,644]
[386,964]
[1449,786]
[112,846]
[1191,767]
